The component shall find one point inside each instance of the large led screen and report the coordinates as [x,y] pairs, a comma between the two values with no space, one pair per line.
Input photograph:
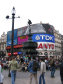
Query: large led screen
[21,31]
[36,28]
[9,37]
[43,38]
[45,46]
[22,39]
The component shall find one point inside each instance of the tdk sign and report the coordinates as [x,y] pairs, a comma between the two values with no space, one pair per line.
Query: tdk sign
[43,38]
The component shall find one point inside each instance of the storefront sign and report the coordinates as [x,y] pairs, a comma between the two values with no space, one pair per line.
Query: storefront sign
[16,46]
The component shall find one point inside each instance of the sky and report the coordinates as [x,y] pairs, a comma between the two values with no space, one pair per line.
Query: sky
[46,11]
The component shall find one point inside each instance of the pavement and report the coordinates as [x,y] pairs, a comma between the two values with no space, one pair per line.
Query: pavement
[23,78]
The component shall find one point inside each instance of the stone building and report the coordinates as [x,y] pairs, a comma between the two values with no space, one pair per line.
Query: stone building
[3,40]
[41,33]
[62,44]
[58,46]
[56,52]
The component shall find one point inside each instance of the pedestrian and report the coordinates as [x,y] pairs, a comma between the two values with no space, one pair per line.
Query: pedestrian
[9,74]
[13,67]
[42,70]
[52,65]
[1,76]
[61,71]
[32,68]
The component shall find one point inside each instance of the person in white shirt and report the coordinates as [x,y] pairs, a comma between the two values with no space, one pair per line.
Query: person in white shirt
[1,76]
[42,70]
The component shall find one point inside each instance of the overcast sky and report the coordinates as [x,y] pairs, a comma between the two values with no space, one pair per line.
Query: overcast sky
[47,11]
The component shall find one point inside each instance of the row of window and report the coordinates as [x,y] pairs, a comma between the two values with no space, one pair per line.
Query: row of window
[3,47]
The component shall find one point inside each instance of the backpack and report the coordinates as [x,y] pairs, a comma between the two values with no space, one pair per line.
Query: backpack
[52,63]
[35,66]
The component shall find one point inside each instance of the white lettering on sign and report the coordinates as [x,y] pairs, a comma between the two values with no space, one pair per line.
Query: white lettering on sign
[37,37]
[42,37]
[48,37]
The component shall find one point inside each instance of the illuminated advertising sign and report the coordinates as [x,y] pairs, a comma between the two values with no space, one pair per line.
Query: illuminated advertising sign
[48,28]
[36,28]
[45,46]
[43,38]
[22,39]
[37,38]
[9,37]
[19,53]
[21,31]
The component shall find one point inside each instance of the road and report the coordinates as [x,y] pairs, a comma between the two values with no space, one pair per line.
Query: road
[23,78]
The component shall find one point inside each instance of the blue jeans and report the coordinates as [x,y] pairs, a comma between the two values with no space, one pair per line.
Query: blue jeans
[13,76]
[41,78]
[52,71]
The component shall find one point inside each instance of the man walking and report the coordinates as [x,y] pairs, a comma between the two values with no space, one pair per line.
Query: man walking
[42,70]
[52,64]
[13,67]
[32,68]
[61,71]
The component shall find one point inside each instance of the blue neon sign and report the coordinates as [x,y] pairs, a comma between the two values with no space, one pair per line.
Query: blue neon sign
[43,38]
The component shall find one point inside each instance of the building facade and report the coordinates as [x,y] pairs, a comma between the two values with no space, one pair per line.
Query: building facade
[58,46]
[3,40]
[62,44]
[41,33]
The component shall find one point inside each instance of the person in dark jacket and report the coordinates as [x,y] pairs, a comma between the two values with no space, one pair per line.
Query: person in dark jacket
[32,72]
[61,71]
[52,64]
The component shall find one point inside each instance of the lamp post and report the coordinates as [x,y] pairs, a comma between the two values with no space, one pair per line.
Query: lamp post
[13,17]
[12,43]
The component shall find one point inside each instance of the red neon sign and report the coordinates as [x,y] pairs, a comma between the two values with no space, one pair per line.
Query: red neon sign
[47,46]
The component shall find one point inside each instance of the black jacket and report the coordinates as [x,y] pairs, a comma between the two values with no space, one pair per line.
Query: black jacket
[61,68]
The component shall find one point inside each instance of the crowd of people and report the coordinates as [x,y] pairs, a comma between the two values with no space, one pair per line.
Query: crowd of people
[32,65]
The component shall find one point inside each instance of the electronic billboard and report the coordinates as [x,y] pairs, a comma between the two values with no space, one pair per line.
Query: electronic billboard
[9,37]
[36,28]
[22,39]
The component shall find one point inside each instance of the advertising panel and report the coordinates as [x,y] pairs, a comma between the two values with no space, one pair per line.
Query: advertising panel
[21,31]
[9,37]
[22,39]
[46,46]
[48,28]
[43,38]
[37,38]
[36,28]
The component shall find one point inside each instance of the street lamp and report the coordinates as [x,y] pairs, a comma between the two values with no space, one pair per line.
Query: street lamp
[13,17]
